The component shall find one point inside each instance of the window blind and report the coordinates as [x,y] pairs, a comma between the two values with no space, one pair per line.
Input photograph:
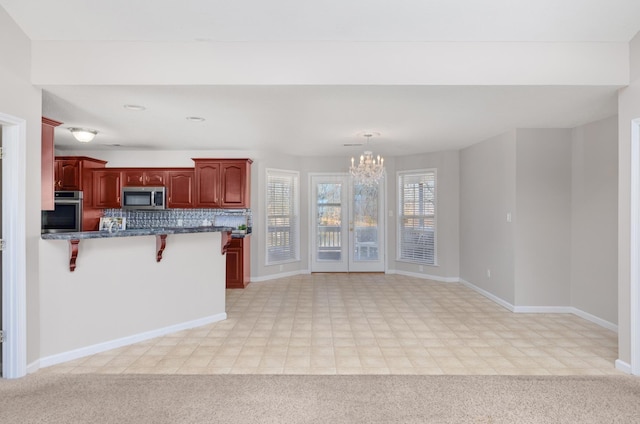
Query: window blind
[282,217]
[417,217]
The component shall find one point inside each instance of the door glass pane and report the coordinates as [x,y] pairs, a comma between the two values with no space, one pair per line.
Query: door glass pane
[329,221]
[365,223]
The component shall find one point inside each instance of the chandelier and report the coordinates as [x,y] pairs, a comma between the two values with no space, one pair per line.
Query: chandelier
[370,170]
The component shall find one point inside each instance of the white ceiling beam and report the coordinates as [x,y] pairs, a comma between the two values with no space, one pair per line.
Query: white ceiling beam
[339,63]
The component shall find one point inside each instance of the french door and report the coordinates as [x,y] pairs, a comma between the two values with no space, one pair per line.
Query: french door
[347,225]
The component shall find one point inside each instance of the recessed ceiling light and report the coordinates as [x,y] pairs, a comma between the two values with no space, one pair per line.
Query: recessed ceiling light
[134,107]
[195,119]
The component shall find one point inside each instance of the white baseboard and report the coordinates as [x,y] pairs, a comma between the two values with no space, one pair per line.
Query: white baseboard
[488,295]
[424,276]
[33,367]
[623,366]
[594,319]
[543,309]
[280,275]
[125,341]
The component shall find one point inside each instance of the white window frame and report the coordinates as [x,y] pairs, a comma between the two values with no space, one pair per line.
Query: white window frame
[294,217]
[400,175]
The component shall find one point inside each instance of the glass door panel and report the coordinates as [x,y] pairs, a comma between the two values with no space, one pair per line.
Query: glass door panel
[367,236]
[329,232]
[348,225]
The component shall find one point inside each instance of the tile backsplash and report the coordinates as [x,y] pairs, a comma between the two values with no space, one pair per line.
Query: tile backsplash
[183,217]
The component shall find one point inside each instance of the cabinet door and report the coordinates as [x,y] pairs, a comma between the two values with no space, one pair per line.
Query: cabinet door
[233,184]
[180,189]
[133,177]
[106,189]
[208,185]
[155,178]
[235,277]
[68,174]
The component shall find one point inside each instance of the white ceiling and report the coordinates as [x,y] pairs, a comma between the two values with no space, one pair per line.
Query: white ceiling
[319,120]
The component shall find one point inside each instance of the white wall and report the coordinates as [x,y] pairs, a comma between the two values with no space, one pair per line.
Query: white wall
[594,219]
[628,110]
[447,165]
[543,219]
[118,290]
[487,194]
[19,98]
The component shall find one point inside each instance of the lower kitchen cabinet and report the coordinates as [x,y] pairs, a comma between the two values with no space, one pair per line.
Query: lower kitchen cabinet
[238,263]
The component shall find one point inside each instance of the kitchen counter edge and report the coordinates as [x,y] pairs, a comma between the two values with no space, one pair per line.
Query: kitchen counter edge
[137,232]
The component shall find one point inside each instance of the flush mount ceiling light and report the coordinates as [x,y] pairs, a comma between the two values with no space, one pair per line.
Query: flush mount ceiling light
[195,119]
[134,107]
[83,135]
[370,170]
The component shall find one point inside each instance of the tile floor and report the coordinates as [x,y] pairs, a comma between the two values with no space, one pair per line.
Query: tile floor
[367,324]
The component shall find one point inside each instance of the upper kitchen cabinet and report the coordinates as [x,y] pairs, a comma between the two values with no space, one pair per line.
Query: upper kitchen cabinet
[71,172]
[223,183]
[106,188]
[144,177]
[180,188]
[47,165]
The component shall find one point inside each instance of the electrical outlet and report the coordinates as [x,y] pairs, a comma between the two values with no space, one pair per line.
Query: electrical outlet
[488,273]
[421,268]
[281,267]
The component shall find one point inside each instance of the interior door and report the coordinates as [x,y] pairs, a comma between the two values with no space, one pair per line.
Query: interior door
[347,225]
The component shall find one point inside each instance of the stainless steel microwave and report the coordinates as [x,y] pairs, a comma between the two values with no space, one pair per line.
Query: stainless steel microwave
[143,197]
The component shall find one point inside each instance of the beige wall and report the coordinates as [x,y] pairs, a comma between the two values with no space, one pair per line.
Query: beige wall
[543,218]
[628,110]
[487,194]
[594,219]
[20,99]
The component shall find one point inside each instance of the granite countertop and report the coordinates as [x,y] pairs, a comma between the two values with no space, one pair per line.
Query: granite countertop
[138,232]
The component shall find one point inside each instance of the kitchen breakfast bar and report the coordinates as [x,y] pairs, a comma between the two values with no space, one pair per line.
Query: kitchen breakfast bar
[104,290]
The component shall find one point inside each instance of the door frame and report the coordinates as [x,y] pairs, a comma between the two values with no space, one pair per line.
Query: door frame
[311,218]
[634,295]
[14,297]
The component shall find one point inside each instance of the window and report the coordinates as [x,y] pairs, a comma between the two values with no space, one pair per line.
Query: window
[283,233]
[417,216]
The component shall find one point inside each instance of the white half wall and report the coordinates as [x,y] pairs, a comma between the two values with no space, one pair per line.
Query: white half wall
[118,290]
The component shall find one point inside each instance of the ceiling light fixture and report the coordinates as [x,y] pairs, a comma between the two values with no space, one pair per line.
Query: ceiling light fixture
[134,107]
[195,119]
[83,135]
[370,170]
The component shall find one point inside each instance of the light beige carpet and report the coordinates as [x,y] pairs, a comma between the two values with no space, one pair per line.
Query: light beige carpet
[318,399]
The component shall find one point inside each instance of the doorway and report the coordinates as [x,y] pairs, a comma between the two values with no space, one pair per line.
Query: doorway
[347,225]
[14,302]
[1,326]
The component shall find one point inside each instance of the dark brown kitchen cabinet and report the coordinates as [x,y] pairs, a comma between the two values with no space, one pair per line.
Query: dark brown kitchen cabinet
[180,188]
[207,174]
[144,177]
[106,188]
[223,183]
[67,174]
[47,163]
[238,264]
